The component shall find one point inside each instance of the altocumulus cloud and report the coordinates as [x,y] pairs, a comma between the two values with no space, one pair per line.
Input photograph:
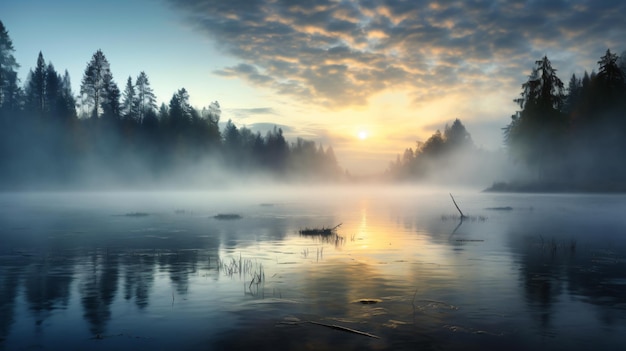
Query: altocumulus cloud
[339,53]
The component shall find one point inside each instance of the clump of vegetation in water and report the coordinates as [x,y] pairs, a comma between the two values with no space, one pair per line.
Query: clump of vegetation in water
[228,216]
[319,231]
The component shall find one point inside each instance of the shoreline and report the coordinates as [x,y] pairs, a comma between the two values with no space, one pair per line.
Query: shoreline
[555,188]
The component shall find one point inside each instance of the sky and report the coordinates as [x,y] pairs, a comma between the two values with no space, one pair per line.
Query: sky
[368,77]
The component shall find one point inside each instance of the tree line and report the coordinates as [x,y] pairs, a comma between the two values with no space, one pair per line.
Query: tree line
[51,136]
[435,154]
[574,137]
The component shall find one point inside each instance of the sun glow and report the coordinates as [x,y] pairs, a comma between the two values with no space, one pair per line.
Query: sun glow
[363,135]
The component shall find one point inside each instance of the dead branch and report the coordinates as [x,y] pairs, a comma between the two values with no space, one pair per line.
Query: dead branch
[457,207]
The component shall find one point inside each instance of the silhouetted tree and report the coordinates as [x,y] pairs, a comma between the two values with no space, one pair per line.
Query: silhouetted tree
[574,90]
[534,134]
[456,136]
[434,146]
[111,108]
[180,110]
[210,123]
[129,101]
[146,101]
[276,149]
[10,93]
[96,85]
[35,92]
[610,75]
[68,99]
[232,137]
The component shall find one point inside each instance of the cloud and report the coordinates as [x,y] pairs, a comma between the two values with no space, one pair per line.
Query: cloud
[243,113]
[339,53]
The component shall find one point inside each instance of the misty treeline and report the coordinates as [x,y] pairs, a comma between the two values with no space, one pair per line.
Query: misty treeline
[50,136]
[448,157]
[574,137]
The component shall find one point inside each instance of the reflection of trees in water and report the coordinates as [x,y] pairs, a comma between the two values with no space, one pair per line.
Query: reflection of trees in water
[541,275]
[10,275]
[179,264]
[600,276]
[138,277]
[47,285]
[46,278]
[571,261]
[98,289]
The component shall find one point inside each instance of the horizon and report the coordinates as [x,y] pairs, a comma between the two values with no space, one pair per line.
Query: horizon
[367,80]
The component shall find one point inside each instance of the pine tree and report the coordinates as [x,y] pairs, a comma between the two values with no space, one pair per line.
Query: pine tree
[610,76]
[146,100]
[129,101]
[67,96]
[10,93]
[111,103]
[36,88]
[180,110]
[535,133]
[96,84]
[574,89]
[53,94]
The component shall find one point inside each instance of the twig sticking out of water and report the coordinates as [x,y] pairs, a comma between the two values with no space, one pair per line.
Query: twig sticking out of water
[457,207]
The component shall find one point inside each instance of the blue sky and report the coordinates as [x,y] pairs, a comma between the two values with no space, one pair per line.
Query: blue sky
[328,70]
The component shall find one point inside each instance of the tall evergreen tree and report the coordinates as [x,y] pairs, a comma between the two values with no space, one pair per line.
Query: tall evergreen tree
[111,108]
[610,76]
[180,110]
[146,100]
[67,95]
[36,88]
[574,90]
[96,84]
[53,96]
[10,92]
[534,134]
[129,101]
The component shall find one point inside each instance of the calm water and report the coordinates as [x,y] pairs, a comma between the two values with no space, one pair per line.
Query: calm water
[156,271]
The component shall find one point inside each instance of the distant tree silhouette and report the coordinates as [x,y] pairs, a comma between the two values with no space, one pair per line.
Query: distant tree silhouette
[122,132]
[456,135]
[232,137]
[438,153]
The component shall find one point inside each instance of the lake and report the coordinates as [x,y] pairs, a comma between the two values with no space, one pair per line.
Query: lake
[158,270]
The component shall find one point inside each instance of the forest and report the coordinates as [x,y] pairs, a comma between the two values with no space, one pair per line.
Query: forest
[51,137]
[574,138]
[562,139]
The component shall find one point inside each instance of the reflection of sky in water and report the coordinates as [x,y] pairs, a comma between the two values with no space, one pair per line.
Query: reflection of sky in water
[548,273]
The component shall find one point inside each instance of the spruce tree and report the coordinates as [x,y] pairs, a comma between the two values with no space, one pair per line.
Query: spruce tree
[96,84]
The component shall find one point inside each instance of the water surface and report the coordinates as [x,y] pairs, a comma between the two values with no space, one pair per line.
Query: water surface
[157,271]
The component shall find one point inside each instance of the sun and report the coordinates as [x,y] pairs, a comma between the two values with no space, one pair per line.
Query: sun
[363,135]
